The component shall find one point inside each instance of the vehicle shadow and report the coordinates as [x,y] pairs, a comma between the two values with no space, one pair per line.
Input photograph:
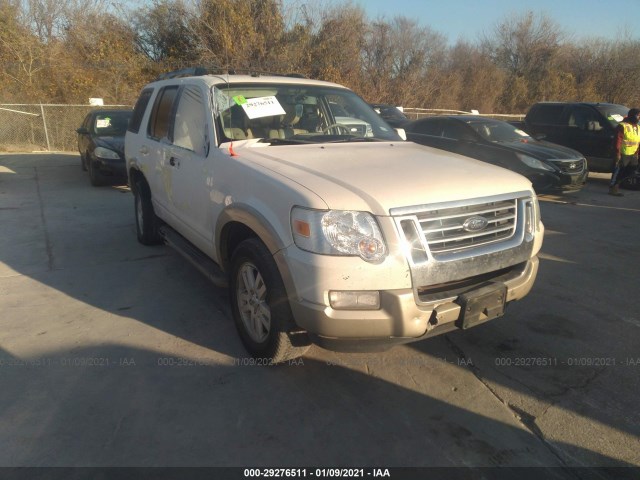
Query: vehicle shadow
[77,239]
[118,406]
[70,265]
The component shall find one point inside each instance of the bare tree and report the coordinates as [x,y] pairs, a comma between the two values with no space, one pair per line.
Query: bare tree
[525,46]
[67,50]
[337,45]
[98,57]
[377,62]
[474,81]
[164,33]
[238,33]
[23,56]
[402,60]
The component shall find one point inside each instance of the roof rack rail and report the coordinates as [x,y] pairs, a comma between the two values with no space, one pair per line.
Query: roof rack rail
[185,72]
[199,71]
[256,73]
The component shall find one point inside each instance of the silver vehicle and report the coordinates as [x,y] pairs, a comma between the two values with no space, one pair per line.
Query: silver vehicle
[350,238]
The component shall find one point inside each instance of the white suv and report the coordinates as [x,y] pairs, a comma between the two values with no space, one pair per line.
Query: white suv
[346,237]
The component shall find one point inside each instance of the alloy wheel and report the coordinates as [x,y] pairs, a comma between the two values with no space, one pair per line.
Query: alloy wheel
[252,302]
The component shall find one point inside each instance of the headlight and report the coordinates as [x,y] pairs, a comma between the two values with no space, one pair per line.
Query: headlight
[536,211]
[532,215]
[102,152]
[534,162]
[338,232]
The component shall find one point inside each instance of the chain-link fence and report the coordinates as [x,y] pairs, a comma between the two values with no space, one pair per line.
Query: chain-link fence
[42,127]
[416,113]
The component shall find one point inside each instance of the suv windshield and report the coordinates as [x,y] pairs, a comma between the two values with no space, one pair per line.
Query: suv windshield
[613,113]
[496,131]
[284,114]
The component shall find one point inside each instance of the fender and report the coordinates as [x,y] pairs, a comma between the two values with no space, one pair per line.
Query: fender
[252,220]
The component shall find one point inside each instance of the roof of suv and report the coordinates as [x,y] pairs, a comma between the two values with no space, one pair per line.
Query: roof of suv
[244,79]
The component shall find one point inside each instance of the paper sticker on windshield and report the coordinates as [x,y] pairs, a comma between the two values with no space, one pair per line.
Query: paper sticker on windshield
[618,118]
[521,132]
[260,107]
[103,122]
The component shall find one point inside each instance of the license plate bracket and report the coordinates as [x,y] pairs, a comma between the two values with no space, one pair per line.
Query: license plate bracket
[481,305]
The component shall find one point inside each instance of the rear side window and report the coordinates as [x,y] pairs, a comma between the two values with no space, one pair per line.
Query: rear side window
[546,115]
[582,117]
[456,130]
[427,127]
[138,111]
[161,113]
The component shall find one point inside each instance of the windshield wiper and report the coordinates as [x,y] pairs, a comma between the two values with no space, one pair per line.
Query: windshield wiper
[355,139]
[285,141]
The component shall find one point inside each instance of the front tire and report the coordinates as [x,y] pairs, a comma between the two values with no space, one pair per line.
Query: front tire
[260,306]
[146,220]
[95,177]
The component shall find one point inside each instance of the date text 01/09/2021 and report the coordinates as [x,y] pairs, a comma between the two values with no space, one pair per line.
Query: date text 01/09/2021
[316,472]
[570,362]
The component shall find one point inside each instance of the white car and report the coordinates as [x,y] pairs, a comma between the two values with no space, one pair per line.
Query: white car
[354,240]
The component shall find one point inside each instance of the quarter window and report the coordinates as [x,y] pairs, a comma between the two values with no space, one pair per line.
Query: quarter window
[546,115]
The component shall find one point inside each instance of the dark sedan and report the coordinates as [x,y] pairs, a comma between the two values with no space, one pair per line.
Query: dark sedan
[101,144]
[550,167]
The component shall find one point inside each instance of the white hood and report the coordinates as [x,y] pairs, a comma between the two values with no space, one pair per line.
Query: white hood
[378,177]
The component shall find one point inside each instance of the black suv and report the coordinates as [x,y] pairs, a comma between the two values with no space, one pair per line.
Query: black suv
[589,128]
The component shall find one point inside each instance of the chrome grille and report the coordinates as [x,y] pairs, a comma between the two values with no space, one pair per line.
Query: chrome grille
[445,230]
[571,166]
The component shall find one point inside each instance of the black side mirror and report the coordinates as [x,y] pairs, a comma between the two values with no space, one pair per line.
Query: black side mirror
[82,131]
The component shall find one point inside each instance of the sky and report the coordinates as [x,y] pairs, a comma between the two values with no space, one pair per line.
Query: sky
[468,19]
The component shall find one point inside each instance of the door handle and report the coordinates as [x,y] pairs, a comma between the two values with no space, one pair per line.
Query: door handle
[174,162]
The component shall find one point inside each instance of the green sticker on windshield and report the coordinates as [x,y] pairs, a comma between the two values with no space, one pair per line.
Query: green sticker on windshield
[239,99]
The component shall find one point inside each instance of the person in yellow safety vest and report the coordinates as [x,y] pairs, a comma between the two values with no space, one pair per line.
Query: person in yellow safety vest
[627,141]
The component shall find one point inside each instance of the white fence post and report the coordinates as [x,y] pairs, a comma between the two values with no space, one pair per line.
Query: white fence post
[46,133]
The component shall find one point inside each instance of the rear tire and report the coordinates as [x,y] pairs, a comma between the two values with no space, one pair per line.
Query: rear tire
[260,306]
[146,220]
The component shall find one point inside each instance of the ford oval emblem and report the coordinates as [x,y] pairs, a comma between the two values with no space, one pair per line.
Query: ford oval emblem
[475,223]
